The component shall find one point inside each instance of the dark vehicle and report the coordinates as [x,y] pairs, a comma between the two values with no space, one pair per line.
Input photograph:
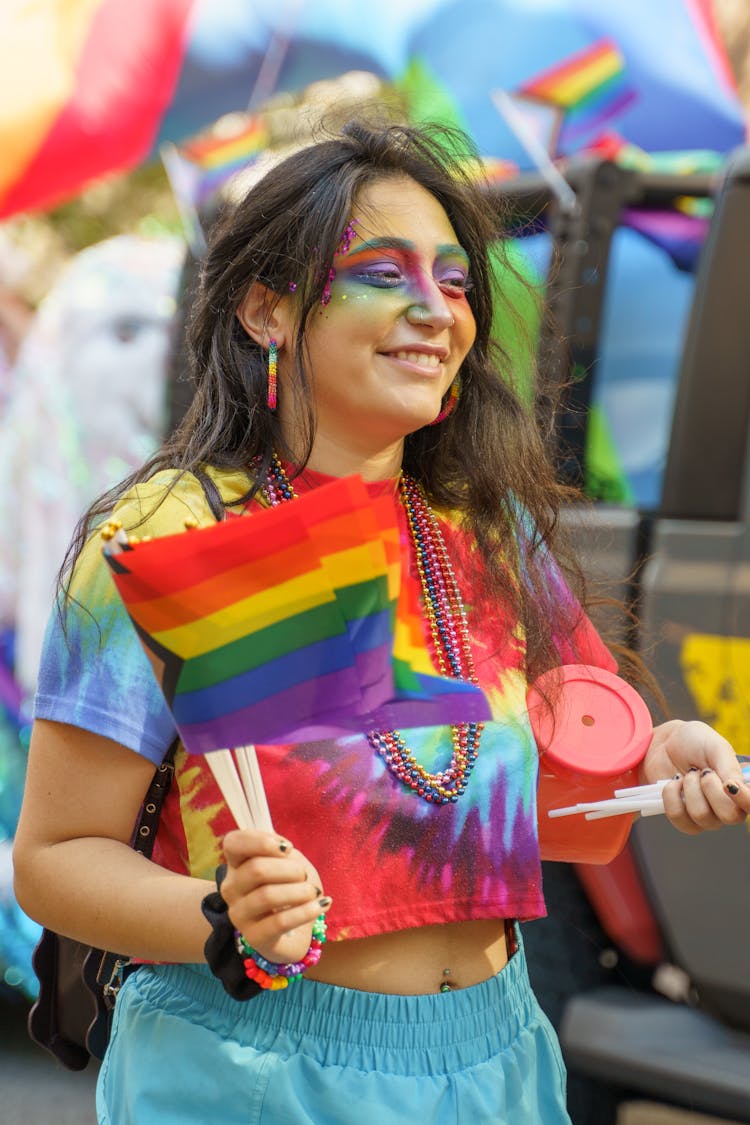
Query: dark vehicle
[643,964]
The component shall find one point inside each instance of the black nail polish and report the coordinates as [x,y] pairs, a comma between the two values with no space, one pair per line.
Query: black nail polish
[325,902]
[318,891]
[732,787]
[706,771]
[677,777]
[284,846]
[693,769]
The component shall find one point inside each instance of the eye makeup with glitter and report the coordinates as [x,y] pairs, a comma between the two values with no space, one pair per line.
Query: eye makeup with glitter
[392,263]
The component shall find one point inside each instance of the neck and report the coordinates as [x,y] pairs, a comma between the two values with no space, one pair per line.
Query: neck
[336,458]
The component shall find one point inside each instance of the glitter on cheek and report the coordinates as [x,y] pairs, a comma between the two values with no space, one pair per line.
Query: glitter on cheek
[327,287]
[348,237]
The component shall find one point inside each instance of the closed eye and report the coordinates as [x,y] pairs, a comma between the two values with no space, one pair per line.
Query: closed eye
[385,276]
[454,283]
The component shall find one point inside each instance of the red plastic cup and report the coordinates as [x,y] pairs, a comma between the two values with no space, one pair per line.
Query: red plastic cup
[592,730]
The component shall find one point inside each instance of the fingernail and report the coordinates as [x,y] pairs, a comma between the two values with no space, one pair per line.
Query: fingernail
[318,891]
[732,787]
[325,902]
[706,771]
[285,846]
[693,769]
[677,777]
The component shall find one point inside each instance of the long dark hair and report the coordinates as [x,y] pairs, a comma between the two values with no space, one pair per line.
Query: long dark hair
[486,462]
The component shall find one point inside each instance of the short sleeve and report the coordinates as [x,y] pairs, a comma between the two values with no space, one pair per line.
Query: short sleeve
[94,673]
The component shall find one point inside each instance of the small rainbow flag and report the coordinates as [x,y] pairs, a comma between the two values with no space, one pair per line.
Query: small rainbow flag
[293,625]
[217,157]
[589,88]
[198,168]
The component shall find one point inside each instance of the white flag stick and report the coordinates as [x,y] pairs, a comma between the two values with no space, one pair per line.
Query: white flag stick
[247,761]
[535,149]
[224,770]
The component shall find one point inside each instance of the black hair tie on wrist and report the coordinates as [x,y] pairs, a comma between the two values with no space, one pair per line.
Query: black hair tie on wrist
[220,949]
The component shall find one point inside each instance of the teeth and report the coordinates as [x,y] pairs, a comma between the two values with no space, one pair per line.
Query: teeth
[420,358]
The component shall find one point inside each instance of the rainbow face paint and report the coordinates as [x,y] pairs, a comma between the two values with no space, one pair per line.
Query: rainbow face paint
[395,324]
[395,264]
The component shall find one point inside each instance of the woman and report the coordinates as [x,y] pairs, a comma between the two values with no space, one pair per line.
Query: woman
[343,327]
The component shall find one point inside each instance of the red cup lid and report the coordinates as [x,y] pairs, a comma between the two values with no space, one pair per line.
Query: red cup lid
[597,725]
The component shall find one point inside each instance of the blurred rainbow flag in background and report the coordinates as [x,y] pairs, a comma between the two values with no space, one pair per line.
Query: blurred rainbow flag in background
[293,625]
[213,158]
[198,168]
[588,89]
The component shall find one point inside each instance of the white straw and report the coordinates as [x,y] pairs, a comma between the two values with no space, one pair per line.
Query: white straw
[572,810]
[647,791]
[644,799]
[619,806]
[223,768]
[247,760]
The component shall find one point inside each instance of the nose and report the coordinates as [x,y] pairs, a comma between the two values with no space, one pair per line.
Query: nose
[431,310]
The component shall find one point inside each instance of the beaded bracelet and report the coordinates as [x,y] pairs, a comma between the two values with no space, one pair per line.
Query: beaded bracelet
[272,974]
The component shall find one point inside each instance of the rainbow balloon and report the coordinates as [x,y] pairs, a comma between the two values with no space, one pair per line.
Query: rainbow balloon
[296,624]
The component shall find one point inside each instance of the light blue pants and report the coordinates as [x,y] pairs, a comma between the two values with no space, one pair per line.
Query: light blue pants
[184,1053]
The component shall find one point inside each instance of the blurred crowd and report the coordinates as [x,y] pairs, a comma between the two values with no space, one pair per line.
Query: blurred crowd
[84,398]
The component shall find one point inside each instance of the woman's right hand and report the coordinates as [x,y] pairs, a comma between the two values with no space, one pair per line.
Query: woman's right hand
[273,894]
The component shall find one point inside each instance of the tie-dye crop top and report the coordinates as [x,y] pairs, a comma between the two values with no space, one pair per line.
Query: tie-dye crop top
[389,860]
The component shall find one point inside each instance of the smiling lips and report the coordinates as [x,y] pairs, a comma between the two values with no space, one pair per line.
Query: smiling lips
[429,360]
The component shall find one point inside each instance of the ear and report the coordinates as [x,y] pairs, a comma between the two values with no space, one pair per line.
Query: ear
[264,315]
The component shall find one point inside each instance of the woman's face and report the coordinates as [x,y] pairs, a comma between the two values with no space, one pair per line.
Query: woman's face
[389,342]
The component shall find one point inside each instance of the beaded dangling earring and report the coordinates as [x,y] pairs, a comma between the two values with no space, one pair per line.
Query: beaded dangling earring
[273,354]
[450,403]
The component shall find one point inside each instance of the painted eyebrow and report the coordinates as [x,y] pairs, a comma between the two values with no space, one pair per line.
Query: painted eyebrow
[452,248]
[404,244]
[383,244]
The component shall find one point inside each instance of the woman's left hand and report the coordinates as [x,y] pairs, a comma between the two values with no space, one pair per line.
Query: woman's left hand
[707,790]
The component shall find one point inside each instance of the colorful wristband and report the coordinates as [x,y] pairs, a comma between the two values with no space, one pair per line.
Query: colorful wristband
[273,974]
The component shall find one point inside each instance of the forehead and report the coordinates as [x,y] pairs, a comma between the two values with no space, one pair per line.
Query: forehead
[401,208]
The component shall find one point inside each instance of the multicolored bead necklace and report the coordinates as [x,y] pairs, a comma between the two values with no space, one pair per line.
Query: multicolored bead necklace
[449,631]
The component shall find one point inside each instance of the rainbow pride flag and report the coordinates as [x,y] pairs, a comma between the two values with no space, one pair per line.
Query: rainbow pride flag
[589,88]
[217,157]
[295,624]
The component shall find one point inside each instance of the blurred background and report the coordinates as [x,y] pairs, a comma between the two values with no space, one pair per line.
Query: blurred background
[613,137]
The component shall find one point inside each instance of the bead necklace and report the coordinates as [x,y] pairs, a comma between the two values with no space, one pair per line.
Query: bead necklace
[449,632]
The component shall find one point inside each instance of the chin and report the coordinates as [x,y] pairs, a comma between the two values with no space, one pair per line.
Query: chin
[415,421]
[419,414]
